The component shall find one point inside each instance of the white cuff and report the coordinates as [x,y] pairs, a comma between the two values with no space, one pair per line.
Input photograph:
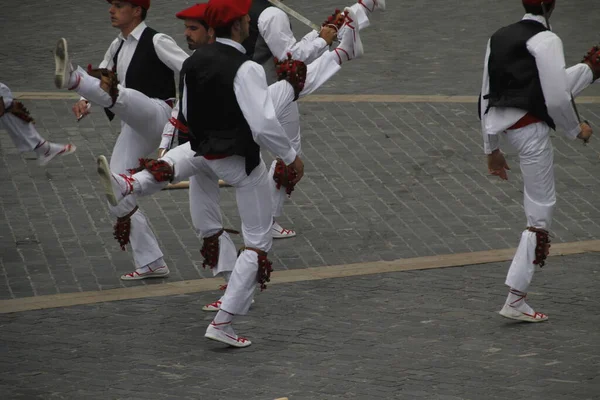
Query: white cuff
[289,157]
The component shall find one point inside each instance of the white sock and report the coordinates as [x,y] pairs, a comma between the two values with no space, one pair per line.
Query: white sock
[42,148]
[516,299]
[151,267]
[74,78]
[223,321]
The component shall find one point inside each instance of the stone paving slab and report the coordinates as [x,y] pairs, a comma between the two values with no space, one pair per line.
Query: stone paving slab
[384,181]
[415,47]
[406,335]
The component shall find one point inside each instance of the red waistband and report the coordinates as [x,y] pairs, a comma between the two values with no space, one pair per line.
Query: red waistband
[527,119]
[215,156]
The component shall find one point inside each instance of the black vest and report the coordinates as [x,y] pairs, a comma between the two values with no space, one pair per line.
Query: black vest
[147,73]
[514,78]
[255,45]
[216,122]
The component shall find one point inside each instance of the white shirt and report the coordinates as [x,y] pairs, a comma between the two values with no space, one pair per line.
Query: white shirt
[274,27]
[252,94]
[557,85]
[6,95]
[167,51]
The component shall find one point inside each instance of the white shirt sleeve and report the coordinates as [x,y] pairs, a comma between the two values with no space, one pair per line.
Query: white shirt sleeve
[168,134]
[274,27]
[580,76]
[7,95]
[547,49]
[490,142]
[169,52]
[252,94]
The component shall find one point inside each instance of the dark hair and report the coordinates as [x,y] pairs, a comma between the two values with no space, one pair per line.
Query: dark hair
[144,13]
[203,23]
[224,31]
[538,10]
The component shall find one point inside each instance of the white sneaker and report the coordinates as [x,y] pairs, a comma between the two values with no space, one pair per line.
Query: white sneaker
[512,313]
[159,272]
[214,333]
[280,233]
[54,150]
[116,187]
[215,306]
[62,72]
[350,43]
[380,5]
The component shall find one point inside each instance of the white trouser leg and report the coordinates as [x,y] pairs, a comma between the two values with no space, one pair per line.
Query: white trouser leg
[254,205]
[144,183]
[134,108]
[23,134]
[207,219]
[129,148]
[536,161]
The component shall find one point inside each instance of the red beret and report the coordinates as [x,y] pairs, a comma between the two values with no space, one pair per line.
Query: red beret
[142,3]
[223,12]
[194,12]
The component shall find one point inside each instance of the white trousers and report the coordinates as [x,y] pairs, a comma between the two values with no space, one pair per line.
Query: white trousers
[142,122]
[539,197]
[23,134]
[252,194]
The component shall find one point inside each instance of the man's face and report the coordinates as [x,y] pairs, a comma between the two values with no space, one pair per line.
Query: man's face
[195,33]
[123,13]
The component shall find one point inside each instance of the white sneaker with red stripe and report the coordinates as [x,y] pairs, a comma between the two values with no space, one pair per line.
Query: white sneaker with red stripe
[224,333]
[280,233]
[216,306]
[47,151]
[512,313]
[160,272]
[115,186]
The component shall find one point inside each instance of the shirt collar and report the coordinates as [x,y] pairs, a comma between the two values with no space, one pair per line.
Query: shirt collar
[232,43]
[136,32]
[537,18]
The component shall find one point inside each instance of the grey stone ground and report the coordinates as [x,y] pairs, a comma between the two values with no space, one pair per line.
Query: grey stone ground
[407,335]
[384,181]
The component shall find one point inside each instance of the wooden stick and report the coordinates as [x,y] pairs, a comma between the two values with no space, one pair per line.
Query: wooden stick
[186,185]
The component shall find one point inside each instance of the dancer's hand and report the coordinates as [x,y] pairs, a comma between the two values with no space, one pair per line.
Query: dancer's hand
[328,34]
[586,132]
[81,109]
[497,164]
[298,165]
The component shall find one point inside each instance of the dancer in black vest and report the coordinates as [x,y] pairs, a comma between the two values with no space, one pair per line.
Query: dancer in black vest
[136,82]
[525,93]
[230,111]
[271,37]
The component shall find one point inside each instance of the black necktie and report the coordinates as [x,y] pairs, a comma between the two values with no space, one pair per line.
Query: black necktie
[109,113]
[116,56]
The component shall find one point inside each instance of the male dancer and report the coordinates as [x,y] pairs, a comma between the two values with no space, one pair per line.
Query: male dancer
[15,118]
[225,128]
[271,37]
[525,93]
[136,82]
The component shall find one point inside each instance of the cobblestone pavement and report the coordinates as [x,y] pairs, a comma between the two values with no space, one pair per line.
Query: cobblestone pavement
[384,181]
[406,335]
